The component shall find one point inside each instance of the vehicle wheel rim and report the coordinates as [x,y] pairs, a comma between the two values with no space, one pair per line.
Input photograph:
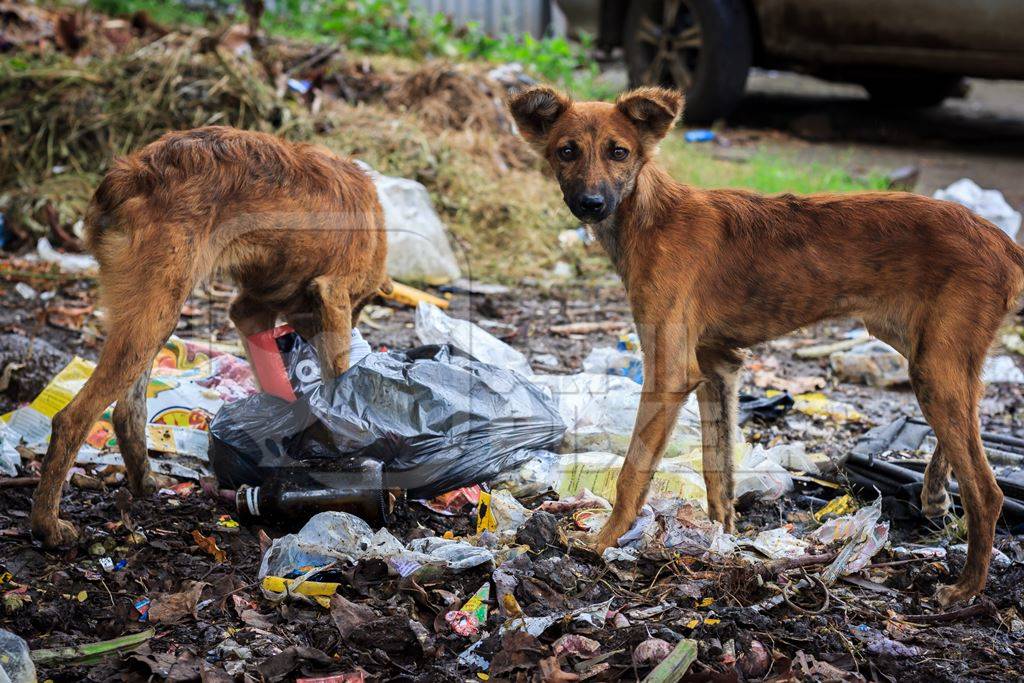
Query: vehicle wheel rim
[671,38]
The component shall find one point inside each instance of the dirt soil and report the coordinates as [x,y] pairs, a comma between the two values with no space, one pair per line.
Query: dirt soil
[222,628]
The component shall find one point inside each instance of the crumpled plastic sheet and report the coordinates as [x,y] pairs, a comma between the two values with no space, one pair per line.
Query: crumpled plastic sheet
[437,418]
[864,537]
[989,204]
[434,326]
[329,537]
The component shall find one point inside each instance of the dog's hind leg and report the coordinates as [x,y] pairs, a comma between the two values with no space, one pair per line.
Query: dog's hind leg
[935,499]
[142,300]
[718,416]
[326,322]
[130,427]
[946,381]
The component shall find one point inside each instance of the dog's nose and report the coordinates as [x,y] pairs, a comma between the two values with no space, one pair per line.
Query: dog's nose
[592,203]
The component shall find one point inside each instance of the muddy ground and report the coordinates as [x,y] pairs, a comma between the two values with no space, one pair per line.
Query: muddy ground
[229,631]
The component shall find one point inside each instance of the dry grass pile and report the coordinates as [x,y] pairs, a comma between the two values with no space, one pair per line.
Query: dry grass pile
[67,113]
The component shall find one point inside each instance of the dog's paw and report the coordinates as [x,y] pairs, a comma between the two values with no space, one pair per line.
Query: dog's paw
[55,533]
[936,505]
[953,594]
[604,540]
[143,487]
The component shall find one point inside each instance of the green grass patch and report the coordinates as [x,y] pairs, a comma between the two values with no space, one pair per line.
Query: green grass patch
[168,13]
[762,171]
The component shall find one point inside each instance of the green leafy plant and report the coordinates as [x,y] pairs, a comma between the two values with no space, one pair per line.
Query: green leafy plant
[392,27]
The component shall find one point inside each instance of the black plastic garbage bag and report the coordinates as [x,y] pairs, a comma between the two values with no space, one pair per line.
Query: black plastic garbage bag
[438,419]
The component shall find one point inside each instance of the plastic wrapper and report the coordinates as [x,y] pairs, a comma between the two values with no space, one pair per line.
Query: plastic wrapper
[437,418]
[338,536]
[456,556]
[989,204]
[10,459]
[15,663]
[433,326]
[188,385]
[863,534]
[418,247]
[509,514]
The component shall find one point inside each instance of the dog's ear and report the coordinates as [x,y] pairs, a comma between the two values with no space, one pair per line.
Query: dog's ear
[535,110]
[652,110]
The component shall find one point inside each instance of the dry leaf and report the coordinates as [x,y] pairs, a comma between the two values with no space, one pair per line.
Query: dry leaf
[209,544]
[348,616]
[170,608]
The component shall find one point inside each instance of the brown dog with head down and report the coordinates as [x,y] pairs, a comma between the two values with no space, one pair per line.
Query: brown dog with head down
[299,230]
[708,272]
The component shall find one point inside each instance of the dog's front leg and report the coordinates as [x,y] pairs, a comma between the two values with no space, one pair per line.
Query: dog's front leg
[670,374]
[718,412]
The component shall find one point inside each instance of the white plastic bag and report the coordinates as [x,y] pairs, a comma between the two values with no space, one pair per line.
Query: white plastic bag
[418,247]
[1003,369]
[989,204]
[68,263]
[15,663]
[433,326]
[600,411]
[760,474]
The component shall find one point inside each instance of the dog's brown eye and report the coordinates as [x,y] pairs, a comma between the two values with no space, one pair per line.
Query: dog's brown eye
[619,153]
[567,153]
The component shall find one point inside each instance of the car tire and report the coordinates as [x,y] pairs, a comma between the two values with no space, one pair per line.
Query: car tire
[707,52]
[918,92]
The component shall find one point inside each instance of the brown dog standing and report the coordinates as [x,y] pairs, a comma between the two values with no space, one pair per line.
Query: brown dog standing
[710,272]
[299,230]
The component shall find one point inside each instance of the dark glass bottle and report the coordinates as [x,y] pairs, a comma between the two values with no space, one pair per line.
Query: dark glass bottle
[291,496]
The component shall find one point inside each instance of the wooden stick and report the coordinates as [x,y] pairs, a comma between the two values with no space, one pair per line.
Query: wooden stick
[785,563]
[15,482]
[590,327]
[981,608]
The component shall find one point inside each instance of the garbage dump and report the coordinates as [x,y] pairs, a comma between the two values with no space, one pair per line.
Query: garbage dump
[436,417]
[431,511]
[428,516]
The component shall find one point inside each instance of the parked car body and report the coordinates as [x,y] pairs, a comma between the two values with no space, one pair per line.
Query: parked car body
[907,52]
